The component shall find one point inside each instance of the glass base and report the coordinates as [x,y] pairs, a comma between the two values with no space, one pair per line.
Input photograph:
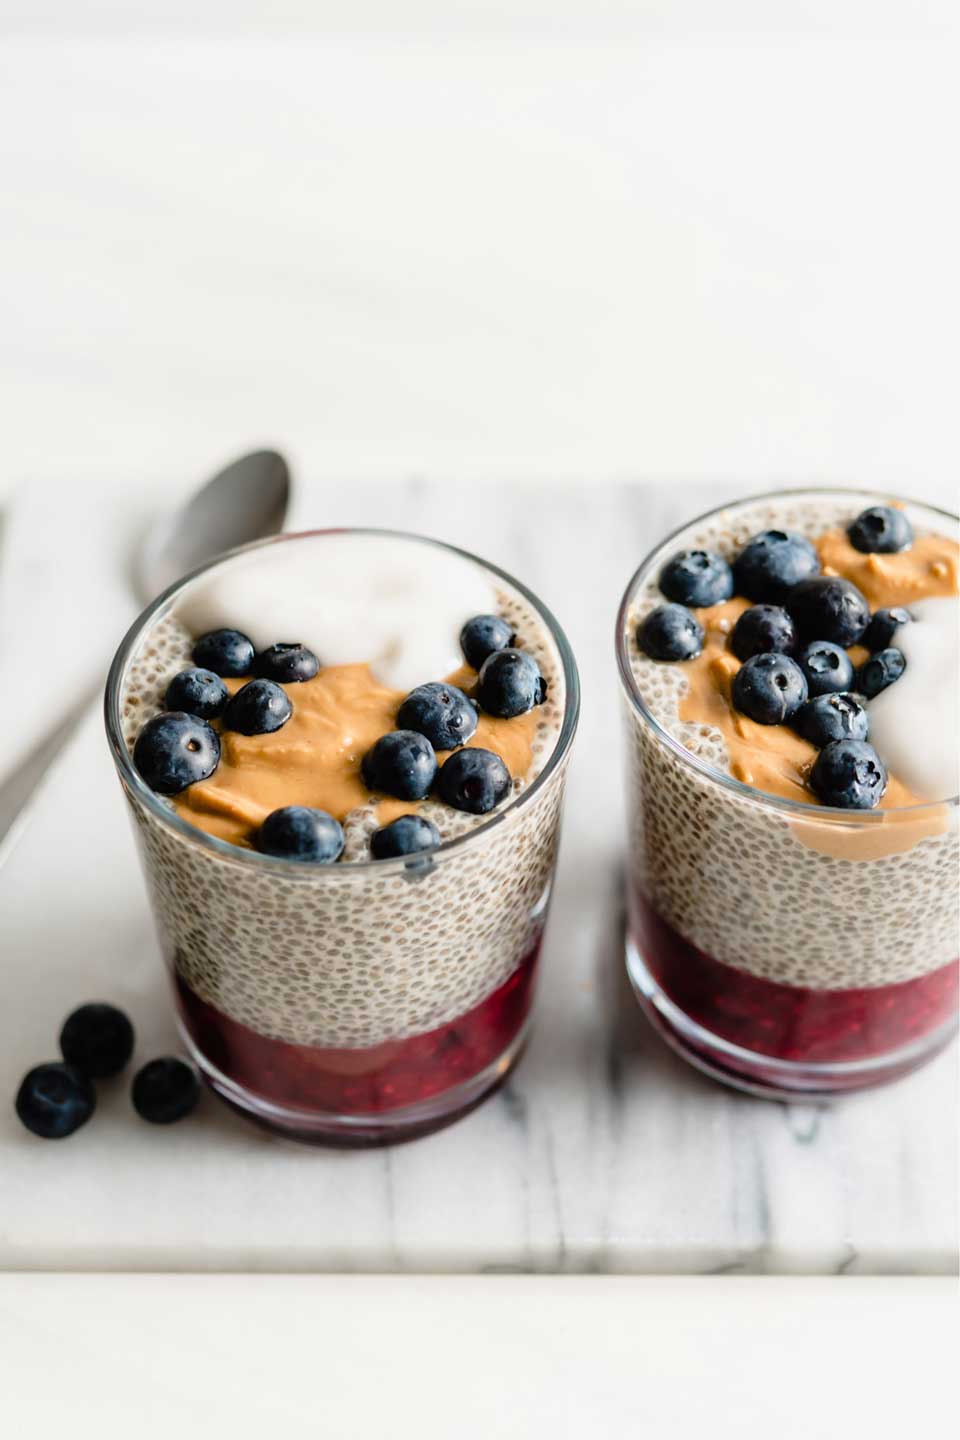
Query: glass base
[763,1075]
[313,1127]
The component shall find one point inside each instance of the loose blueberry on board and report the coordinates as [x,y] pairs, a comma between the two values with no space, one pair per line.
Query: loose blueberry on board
[769,688]
[482,635]
[671,632]
[829,608]
[165,1090]
[258,708]
[287,664]
[441,712]
[510,684]
[832,717]
[771,563]
[97,1040]
[696,577]
[401,764]
[408,835]
[54,1100]
[473,780]
[884,624]
[197,692]
[880,671]
[763,628]
[174,750]
[225,652]
[849,774]
[880,530]
[297,832]
[828,668]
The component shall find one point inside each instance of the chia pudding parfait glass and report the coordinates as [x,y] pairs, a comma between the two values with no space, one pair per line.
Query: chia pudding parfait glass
[785,948]
[363,1002]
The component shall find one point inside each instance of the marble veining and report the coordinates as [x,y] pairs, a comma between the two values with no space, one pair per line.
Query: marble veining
[603,1153]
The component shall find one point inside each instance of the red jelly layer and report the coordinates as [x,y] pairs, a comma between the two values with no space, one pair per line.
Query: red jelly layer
[790,1022]
[366,1081]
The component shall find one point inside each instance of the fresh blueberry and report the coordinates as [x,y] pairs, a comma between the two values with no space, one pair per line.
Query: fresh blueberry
[225,652]
[829,608]
[174,750]
[827,667]
[473,780]
[884,624]
[54,1100]
[97,1040]
[258,708]
[482,635]
[165,1090]
[849,774]
[880,671]
[832,717]
[296,832]
[696,577]
[671,632]
[880,530]
[770,564]
[760,629]
[441,712]
[410,835]
[401,764]
[287,664]
[510,683]
[198,692]
[769,688]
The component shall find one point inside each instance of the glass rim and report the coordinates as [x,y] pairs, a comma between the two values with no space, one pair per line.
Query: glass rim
[297,870]
[808,810]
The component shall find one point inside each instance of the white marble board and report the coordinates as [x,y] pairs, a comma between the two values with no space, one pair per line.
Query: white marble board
[602,1154]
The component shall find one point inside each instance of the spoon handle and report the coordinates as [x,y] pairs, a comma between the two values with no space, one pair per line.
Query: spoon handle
[18,790]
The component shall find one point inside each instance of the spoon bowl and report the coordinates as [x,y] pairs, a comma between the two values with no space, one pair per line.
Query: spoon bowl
[247,500]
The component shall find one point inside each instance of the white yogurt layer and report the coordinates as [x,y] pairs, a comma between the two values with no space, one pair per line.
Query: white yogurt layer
[914,723]
[400,604]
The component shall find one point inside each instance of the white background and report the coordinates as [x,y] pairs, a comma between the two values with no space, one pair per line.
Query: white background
[672,240]
[666,239]
[286,1358]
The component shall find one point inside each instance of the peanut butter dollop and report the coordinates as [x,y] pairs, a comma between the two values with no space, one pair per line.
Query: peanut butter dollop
[926,570]
[315,758]
[773,758]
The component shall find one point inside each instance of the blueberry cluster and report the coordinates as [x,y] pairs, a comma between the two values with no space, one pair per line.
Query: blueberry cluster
[792,642]
[96,1042]
[438,716]
[180,746]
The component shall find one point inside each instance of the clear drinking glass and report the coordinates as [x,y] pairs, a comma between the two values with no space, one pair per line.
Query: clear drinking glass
[783,947]
[355,1003]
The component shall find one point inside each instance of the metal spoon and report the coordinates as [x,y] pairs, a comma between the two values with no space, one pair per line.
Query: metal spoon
[247,500]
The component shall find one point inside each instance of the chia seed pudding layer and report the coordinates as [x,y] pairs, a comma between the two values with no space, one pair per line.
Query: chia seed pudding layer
[349,955]
[778,891]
